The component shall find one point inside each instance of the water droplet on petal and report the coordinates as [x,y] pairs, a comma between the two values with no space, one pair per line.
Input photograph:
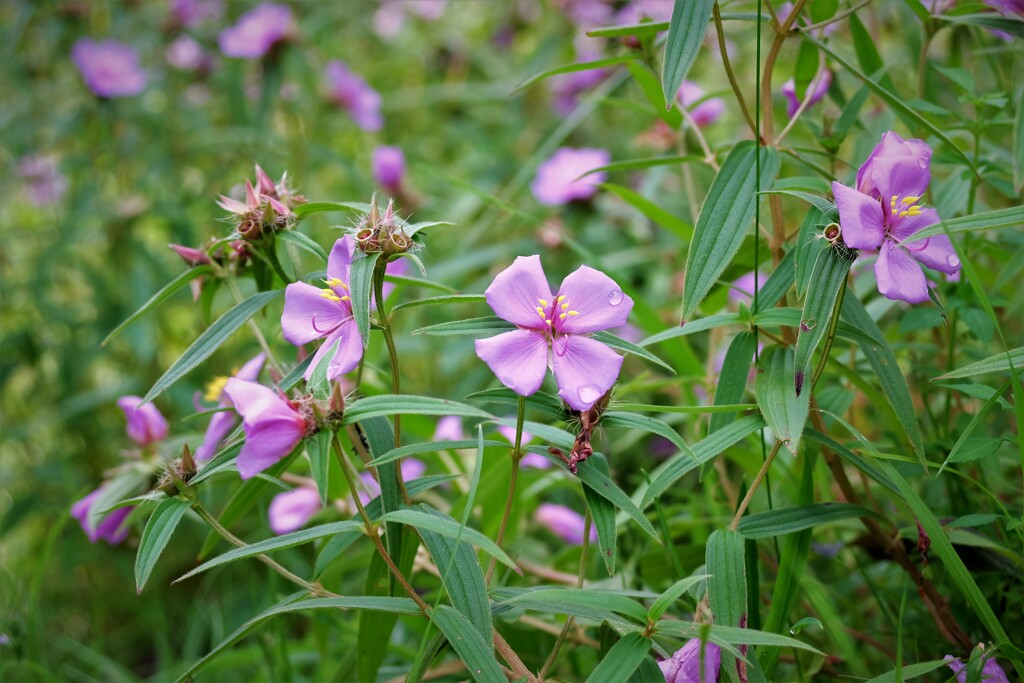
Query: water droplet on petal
[922,162]
[561,345]
[615,297]
[589,393]
[953,261]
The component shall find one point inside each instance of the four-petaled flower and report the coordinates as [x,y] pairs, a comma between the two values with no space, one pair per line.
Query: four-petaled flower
[314,312]
[587,301]
[886,209]
[273,427]
[222,422]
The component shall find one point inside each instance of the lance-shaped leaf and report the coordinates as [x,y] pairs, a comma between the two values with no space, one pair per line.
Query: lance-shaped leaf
[309,208]
[166,291]
[725,218]
[361,284]
[476,652]
[391,404]
[603,514]
[685,36]
[783,410]
[732,380]
[788,520]
[452,529]
[474,326]
[155,536]
[827,279]
[727,585]
[627,654]
[1000,362]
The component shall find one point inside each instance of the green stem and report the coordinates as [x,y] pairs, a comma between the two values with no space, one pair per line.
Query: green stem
[579,584]
[745,503]
[830,336]
[389,339]
[517,455]
[729,73]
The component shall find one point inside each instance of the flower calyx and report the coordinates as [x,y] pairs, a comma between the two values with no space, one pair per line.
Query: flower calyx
[267,207]
[377,233]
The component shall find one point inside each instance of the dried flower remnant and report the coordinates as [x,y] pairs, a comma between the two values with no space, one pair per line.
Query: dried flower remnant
[257,31]
[563,522]
[684,666]
[349,91]
[587,301]
[273,427]
[111,528]
[885,209]
[558,179]
[291,510]
[223,422]
[109,68]
[267,206]
[385,233]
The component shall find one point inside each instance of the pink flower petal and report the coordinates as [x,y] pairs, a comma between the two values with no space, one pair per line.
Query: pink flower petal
[900,177]
[937,253]
[350,350]
[449,428]
[518,291]
[684,665]
[308,315]
[596,298]
[145,423]
[891,146]
[339,263]
[564,522]
[899,276]
[518,359]
[860,218]
[291,510]
[272,427]
[585,370]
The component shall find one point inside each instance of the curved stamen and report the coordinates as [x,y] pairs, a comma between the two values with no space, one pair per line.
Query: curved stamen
[324,332]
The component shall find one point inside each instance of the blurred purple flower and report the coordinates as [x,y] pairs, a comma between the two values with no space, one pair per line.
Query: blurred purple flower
[411,468]
[817,88]
[111,528]
[563,522]
[742,290]
[885,209]
[349,91]
[257,31]
[390,15]
[272,426]
[44,183]
[1007,7]
[587,301]
[192,13]
[990,673]
[389,167]
[449,428]
[684,665]
[399,268]
[291,510]
[567,88]
[313,312]
[186,54]
[588,13]
[145,423]
[534,461]
[510,433]
[109,68]
[705,113]
[223,422]
[638,10]
[558,179]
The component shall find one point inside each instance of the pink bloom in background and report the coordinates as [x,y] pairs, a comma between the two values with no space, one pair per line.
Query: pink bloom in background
[558,179]
[411,468]
[314,312]
[587,301]
[638,10]
[291,510]
[684,665]
[449,429]
[223,422]
[563,522]
[272,426]
[534,461]
[389,167]
[816,90]
[185,53]
[145,423]
[349,91]
[991,672]
[256,31]
[510,434]
[588,13]
[111,528]
[109,68]
[742,289]
[44,183]
[1007,7]
[390,16]
[567,88]
[886,209]
[705,113]
[399,268]
[192,13]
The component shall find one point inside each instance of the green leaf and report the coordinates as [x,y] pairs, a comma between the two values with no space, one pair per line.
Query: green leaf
[289,605]
[1018,144]
[685,36]
[574,67]
[295,374]
[706,450]
[472,326]
[693,327]
[778,283]
[599,482]
[450,528]
[215,335]
[603,514]
[418,282]
[650,162]
[509,599]
[361,284]
[391,404]
[155,537]
[114,491]
[867,467]
[973,424]
[590,598]
[791,519]
[431,447]
[303,210]
[732,380]
[616,419]
[443,299]
[672,594]
[725,218]
[827,279]
[732,635]
[807,248]
[319,449]
[650,85]
[641,30]
[164,292]
[277,543]
[783,410]
[413,228]
[977,448]
[677,226]
[626,655]
[990,21]
[883,361]
[303,241]
[619,344]
[826,207]
[805,69]
[909,671]
[686,410]
[1012,217]
[727,585]
[1000,362]
[540,401]
[476,652]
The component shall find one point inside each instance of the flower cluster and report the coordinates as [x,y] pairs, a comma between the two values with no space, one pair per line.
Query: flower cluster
[267,207]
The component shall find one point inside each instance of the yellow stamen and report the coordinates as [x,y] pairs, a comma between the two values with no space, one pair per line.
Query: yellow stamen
[329,295]
[561,316]
[565,306]
[904,214]
[559,297]
[345,298]
[892,202]
[540,311]
[910,200]
[547,321]
[574,313]
[214,389]
[543,302]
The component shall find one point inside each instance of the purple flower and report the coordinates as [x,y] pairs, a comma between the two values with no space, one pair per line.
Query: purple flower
[705,113]
[399,268]
[256,31]
[534,461]
[390,15]
[449,429]
[886,209]
[349,91]
[291,510]
[587,301]
[223,422]
[389,167]
[186,53]
[567,88]
[44,183]
[588,13]
[742,290]
[145,423]
[638,10]
[563,522]
[272,426]
[990,673]
[510,434]
[816,90]
[684,665]
[411,468]
[192,13]
[111,528]
[558,179]
[109,68]
[1007,7]
[313,312]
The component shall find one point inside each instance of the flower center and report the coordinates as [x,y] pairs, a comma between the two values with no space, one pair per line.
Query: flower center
[555,311]
[334,291]
[907,206]
[215,388]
